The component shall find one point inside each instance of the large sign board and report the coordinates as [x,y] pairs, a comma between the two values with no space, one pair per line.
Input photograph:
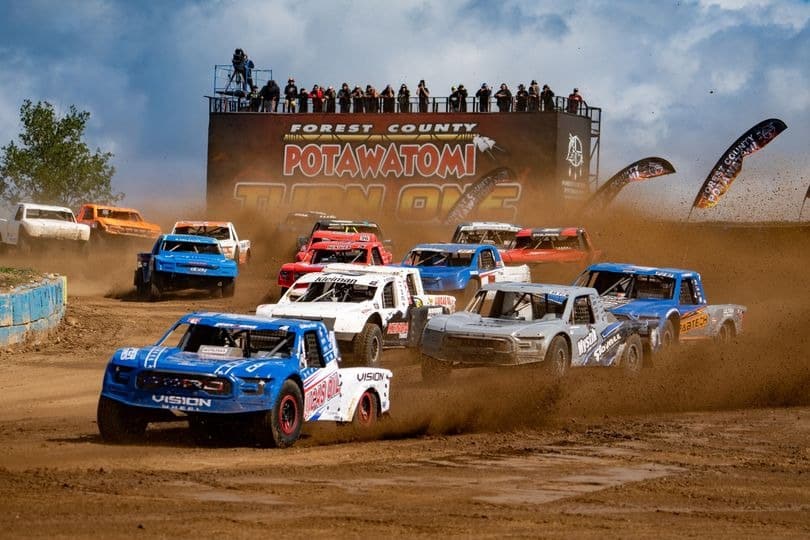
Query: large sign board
[412,168]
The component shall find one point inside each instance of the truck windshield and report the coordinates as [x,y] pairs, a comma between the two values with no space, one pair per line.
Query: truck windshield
[503,239]
[333,291]
[627,285]
[548,242]
[190,247]
[122,215]
[58,215]
[229,342]
[326,256]
[516,305]
[354,228]
[211,231]
[426,258]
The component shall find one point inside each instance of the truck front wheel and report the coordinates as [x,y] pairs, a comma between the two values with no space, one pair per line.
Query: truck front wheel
[633,356]
[119,423]
[668,337]
[557,359]
[367,345]
[281,426]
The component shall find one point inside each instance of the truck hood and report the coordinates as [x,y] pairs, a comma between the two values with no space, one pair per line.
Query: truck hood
[473,324]
[123,226]
[338,316]
[172,360]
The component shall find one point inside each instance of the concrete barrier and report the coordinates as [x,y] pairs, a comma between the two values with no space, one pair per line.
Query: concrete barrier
[29,312]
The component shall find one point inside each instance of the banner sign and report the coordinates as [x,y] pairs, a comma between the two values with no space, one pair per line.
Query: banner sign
[435,167]
[730,163]
[643,169]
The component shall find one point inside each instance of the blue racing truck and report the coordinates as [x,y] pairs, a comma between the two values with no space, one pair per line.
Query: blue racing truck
[671,297]
[461,268]
[184,261]
[264,377]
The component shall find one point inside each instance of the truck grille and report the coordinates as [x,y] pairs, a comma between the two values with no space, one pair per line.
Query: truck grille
[150,380]
[477,344]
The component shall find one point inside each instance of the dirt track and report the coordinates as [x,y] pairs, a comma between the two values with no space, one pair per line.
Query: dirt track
[707,443]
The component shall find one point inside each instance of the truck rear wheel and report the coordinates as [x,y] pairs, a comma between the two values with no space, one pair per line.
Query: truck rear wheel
[154,291]
[368,345]
[366,413]
[119,423]
[557,359]
[633,356]
[281,426]
[725,334]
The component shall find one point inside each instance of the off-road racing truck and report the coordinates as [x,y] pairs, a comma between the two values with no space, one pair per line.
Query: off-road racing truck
[560,245]
[461,268]
[346,226]
[38,223]
[333,236]
[368,307]
[184,261]
[512,324]
[670,299]
[113,224]
[500,235]
[266,377]
[223,232]
[354,249]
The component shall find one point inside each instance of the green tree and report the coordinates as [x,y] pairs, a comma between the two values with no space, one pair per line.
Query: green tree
[52,164]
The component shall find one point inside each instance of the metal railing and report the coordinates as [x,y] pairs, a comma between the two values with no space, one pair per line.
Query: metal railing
[235,84]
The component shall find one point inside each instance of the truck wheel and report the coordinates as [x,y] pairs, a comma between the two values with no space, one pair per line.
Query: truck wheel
[236,255]
[434,370]
[367,345]
[141,288]
[633,357]
[119,423]
[725,334]
[228,289]
[365,415]
[281,426]
[668,338]
[557,359]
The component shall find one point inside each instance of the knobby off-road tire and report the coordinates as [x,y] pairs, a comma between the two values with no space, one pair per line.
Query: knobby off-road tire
[119,423]
[725,334]
[154,291]
[557,359]
[435,370]
[281,426]
[668,336]
[367,346]
[633,356]
[367,411]
[141,288]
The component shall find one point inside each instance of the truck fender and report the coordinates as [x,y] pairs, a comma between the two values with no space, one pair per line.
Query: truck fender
[354,382]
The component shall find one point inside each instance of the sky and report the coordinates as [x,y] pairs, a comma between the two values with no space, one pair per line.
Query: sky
[677,79]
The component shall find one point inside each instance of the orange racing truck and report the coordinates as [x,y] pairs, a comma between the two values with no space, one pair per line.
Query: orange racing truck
[113,223]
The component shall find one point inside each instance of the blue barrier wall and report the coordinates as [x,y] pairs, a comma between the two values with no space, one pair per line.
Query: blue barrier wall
[28,312]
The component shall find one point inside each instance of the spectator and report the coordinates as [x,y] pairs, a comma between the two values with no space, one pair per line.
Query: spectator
[372,99]
[423,94]
[521,99]
[534,96]
[344,97]
[357,99]
[270,94]
[303,100]
[404,98]
[483,95]
[254,99]
[462,98]
[290,95]
[329,98]
[452,102]
[317,98]
[547,98]
[504,98]
[388,99]
[574,101]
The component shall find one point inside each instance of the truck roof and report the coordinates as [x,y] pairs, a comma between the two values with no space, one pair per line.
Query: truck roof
[246,322]
[46,207]
[625,268]
[452,248]
[355,270]
[190,238]
[540,288]
[193,223]
[551,231]
[111,207]
[489,225]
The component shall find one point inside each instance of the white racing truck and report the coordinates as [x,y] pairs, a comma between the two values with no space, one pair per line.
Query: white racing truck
[368,307]
[223,232]
[38,223]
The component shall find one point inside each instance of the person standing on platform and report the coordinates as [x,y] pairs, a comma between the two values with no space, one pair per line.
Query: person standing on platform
[357,99]
[521,99]
[290,95]
[303,100]
[388,99]
[404,99]
[423,94]
[329,97]
[574,101]
[317,98]
[344,97]
[453,100]
[483,95]
[534,97]
[504,98]
[462,98]
[271,94]
[547,99]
